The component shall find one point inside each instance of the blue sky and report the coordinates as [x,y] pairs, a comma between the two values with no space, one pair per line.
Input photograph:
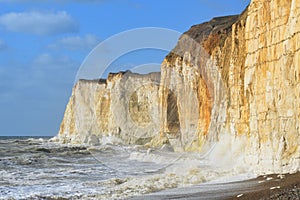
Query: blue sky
[43,43]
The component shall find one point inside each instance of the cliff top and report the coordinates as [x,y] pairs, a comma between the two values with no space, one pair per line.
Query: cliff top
[154,76]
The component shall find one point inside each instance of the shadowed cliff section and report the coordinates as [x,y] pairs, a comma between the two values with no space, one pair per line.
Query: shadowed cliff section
[209,34]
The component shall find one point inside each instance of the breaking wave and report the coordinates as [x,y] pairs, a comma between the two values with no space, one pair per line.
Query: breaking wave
[37,168]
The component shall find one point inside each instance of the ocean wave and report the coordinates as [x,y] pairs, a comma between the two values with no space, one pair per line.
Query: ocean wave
[40,169]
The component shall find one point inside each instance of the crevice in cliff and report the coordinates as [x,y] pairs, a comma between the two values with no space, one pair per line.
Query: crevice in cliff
[173,123]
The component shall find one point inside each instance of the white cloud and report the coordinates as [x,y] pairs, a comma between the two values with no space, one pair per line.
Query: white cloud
[39,23]
[76,43]
[2,45]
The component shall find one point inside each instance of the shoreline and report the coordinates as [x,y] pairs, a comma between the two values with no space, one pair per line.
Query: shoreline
[273,186]
[285,186]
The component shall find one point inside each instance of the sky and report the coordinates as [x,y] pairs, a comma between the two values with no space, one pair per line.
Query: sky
[44,42]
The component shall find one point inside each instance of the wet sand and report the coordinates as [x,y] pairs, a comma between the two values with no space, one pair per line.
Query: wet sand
[274,186]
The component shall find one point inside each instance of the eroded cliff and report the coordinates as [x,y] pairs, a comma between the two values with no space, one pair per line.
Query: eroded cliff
[233,82]
[124,106]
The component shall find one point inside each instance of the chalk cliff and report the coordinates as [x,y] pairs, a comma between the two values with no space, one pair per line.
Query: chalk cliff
[125,106]
[233,82]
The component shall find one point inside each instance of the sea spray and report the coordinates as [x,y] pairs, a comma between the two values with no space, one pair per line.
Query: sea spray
[42,169]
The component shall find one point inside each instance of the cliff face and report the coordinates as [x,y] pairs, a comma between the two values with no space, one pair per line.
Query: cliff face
[234,78]
[124,106]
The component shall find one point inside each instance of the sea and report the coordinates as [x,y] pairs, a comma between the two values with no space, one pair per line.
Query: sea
[39,168]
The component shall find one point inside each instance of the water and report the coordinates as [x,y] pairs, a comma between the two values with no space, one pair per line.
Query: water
[35,168]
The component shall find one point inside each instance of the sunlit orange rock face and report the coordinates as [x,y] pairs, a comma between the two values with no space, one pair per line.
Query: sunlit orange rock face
[235,78]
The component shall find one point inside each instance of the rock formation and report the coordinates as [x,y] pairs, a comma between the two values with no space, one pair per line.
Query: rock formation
[234,78]
[125,106]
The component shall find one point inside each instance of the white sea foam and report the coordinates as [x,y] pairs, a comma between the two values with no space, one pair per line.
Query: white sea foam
[176,170]
[229,154]
[110,139]
[41,169]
